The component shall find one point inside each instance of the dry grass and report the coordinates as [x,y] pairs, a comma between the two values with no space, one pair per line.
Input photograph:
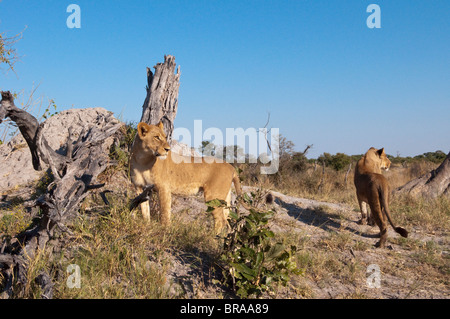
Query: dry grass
[13,218]
[122,257]
[119,255]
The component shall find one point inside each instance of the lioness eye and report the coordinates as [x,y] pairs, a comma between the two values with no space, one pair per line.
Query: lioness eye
[157,137]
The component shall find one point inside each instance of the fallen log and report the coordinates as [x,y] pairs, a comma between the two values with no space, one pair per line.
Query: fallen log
[431,185]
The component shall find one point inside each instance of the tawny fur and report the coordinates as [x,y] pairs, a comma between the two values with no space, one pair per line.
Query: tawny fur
[373,188]
[152,163]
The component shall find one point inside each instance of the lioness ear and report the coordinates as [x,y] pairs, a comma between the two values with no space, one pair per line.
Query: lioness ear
[143,129]
[380,151]
[161,125]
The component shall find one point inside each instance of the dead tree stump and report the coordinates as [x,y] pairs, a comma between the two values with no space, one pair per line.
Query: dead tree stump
[432,184]
[161,102]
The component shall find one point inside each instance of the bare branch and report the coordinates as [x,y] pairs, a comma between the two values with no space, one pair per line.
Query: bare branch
[142,197]
[8,54]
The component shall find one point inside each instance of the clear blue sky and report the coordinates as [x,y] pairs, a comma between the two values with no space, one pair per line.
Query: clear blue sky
[324,76]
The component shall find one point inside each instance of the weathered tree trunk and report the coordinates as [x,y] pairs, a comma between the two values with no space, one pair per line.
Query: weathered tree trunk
[432,184]
[161,102]
[73,176]
[28,126]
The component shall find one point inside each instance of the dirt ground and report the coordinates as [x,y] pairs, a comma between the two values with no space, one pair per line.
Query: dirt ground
[337,253]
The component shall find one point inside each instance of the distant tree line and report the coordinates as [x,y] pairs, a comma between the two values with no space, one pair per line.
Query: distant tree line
[341,161]
[435,157]
[291,160]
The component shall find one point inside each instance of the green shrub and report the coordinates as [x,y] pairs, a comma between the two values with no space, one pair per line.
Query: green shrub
[121,151]
[253,260]
[338,162]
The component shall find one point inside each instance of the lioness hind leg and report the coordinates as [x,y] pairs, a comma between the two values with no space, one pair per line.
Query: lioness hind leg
[383,237]
[220,214]
[226,212]
[220,222]
[381,223]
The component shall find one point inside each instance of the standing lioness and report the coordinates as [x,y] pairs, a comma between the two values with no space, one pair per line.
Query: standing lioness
[152,163]
[373,188]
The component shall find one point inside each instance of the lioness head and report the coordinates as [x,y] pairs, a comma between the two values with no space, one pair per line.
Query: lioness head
[378,158]
[153,139]
[385,162]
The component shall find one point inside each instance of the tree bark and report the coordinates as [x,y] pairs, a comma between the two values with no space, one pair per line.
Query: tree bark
[73,176]
[161,102]
[432,184]
[28,127]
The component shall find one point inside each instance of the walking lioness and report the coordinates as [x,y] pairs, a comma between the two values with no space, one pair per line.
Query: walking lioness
[152,163]
[373,188]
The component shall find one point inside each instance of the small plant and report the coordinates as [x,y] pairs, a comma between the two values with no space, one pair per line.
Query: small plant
[121,151]
[43,183]
[48,111]
[253,260]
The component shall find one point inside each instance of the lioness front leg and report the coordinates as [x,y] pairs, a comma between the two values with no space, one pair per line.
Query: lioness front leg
[363,208]
[366,215]
[370,219]
[165,204]
[380,220]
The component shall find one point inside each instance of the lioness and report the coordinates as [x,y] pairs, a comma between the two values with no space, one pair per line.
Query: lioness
[152,163]
[374,161]
[373,188]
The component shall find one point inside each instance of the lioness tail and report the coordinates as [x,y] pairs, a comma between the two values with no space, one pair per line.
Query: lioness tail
[384,207]
[237,184]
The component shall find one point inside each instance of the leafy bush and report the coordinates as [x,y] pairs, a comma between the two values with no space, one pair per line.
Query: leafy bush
[253,260]
[435,157]
[337,162]
[121,151]
[299,162]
